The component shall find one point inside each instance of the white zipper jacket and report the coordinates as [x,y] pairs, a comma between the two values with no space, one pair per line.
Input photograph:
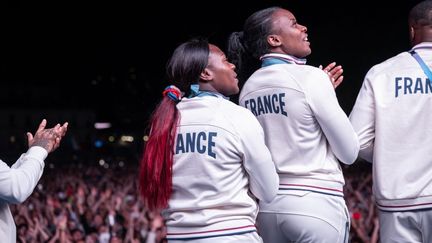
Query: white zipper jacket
[305,128]
[16,185]
[220,160]
[393,119]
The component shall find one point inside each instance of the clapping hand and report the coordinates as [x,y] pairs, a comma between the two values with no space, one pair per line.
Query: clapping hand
[47,138]
[334,72]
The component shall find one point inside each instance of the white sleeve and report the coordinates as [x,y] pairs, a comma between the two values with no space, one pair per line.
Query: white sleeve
[362,118]
[151,237]
[258,163]
[18,182]
[332,119]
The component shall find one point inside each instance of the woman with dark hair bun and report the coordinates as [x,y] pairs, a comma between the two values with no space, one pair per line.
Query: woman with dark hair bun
[305,129]
[205,163]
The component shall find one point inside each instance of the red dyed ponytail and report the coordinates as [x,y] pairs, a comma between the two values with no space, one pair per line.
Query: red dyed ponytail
[155,181]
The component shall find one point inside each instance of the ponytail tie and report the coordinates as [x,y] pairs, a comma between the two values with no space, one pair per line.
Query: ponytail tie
[173,93]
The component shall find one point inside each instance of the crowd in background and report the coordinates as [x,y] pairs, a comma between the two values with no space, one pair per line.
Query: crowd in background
[85,202]
[95,201]
[358,196]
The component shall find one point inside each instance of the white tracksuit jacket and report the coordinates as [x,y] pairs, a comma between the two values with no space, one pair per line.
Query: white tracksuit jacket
[393,118]
[219,158]
[16,185]
[305,128]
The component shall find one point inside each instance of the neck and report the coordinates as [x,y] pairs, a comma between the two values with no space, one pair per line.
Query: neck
[285,57]
[205,90]
[428,38]
[421,34]
[207,87]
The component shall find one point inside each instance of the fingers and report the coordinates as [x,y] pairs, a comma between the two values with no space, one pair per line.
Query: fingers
[336,76]
[56,130]
[48,138]
[42,125]
[29,138]
[56,143]
[338,82]
[329,67]
[64,128]
[60,131]
[336,72]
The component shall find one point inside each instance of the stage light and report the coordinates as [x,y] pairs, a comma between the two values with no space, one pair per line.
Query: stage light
[102,125]
[98,143]
[126,138]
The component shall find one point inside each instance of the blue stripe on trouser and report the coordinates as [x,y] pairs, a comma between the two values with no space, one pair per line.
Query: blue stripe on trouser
[346,232]
[211,236]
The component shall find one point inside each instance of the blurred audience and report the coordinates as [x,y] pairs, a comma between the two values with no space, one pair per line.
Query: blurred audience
[90,202]
[87,203]
[360,202]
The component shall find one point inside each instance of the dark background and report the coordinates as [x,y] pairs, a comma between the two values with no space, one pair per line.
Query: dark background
[85,62]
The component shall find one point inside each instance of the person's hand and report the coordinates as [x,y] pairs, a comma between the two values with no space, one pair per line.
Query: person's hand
[37,225]
[157,223]
[334,72]
[22,239]
[48,139]
[62,222]
[118,203]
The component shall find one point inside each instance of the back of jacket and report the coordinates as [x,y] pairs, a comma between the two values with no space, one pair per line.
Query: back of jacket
[305,128]
[393,119]
[219,158]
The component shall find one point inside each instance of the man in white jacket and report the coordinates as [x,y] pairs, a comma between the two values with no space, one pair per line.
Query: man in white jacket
[392,117]
[17,182]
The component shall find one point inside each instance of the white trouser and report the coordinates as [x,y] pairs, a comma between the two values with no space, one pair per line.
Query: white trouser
[304,217]
[243,238]
[408,226]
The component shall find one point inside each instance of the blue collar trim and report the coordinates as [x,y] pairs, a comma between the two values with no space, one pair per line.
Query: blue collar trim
[272,61]
[279,58]
[195,92]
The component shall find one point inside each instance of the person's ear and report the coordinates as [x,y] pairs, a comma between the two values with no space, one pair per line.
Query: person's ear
[206,75]
[274,40]
[412,33]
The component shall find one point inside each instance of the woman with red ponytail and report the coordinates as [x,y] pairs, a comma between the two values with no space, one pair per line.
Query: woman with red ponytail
[205,164]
